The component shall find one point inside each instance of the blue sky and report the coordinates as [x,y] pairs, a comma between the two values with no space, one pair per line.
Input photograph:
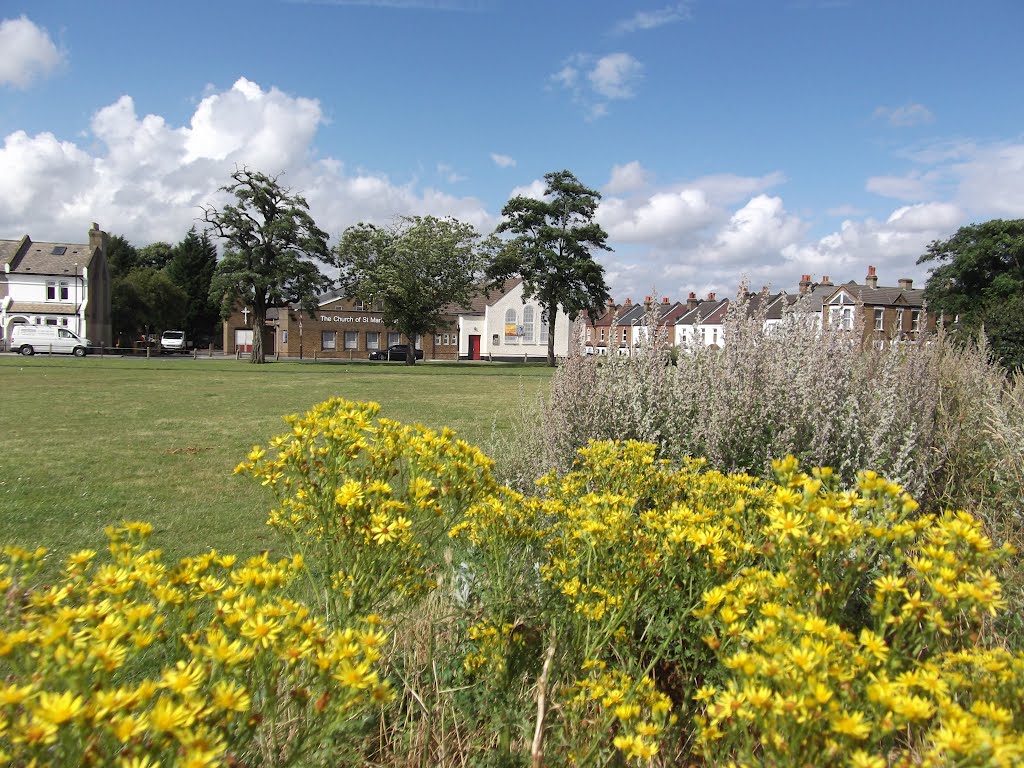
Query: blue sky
[757,139]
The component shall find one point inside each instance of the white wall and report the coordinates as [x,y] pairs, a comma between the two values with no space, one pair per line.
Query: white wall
[532,345]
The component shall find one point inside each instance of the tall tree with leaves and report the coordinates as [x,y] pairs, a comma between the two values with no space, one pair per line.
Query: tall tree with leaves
[273,249]
[979,278]
[191,267]
[551,251]
[414,271]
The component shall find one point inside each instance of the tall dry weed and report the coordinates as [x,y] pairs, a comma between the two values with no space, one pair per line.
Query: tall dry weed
[938,417]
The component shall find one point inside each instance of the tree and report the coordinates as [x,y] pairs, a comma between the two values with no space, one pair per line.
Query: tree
[979,278]
[146,300]
[414,271]
[274,246]
[122,257]
[191,268]
[552,250]
[156,255]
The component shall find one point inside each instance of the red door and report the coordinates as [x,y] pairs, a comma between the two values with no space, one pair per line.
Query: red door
[474,347]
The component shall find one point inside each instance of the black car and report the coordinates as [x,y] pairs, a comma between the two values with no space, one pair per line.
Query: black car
[394,352]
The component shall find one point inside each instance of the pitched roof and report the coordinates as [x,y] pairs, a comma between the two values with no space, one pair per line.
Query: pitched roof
[883,295]
[26,257]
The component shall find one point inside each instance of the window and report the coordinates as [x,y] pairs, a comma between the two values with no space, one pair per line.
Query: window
[377,305]
[418,343]
[359,306]
[328,340]
[51,291]
[915,320]
[447,340]
[373,339]
[899,320]
[510,326]
[624,336]
[51,321]
[602,335]
[63,291]
[528,324]
[544,331]
[394,338]
[590,335]
[64,321]
[714,335]
[879,315]
[351,339]
[437,339]
[841,318]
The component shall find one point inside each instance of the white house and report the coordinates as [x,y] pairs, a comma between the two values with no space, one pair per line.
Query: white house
[61,284]
[504,326]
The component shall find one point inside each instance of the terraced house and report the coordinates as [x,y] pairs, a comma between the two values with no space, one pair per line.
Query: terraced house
[56,283]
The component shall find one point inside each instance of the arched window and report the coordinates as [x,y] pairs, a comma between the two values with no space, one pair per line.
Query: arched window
[511,336]
[528,325]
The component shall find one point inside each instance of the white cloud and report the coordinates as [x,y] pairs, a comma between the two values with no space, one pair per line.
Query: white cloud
[925,217]
[628,178]
[594,81]
[449,174]
[906,115]
[759,229]
[534,189]
[614,76]
[643,20]
[146,179]
[28,52]
[664,217]
[891,246]
[503,161]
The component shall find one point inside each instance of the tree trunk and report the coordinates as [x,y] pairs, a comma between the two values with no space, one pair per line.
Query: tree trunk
[552,312]
[259,322]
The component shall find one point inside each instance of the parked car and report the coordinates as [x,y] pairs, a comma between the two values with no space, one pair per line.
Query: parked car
[29,339]
[394,352]
[174,341]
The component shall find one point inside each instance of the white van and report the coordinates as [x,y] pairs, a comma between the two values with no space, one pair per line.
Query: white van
[29,339]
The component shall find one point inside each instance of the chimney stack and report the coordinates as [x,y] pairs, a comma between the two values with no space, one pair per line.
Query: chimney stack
[691,301]
[97,238]
[825,280]
[871,281]
[664,300]
[805,284]
[906,283]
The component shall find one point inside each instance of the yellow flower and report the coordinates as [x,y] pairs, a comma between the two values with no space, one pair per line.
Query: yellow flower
[184,678]
[261,630]
[168,717]
[57,708]
[851,724]
[229,696]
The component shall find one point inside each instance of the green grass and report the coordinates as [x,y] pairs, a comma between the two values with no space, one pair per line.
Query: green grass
[87,443]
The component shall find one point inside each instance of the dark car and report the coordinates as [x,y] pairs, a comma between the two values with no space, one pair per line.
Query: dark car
[394,352]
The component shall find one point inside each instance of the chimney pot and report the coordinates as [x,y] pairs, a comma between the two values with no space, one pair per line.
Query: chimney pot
[825,280]
[692,295]
[711,296]
[629,302]
[871,270]
[664,300]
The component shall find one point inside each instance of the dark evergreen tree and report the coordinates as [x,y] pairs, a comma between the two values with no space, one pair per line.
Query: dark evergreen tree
[191,268]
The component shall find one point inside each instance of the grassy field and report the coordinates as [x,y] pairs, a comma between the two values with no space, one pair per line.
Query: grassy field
[90,442]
